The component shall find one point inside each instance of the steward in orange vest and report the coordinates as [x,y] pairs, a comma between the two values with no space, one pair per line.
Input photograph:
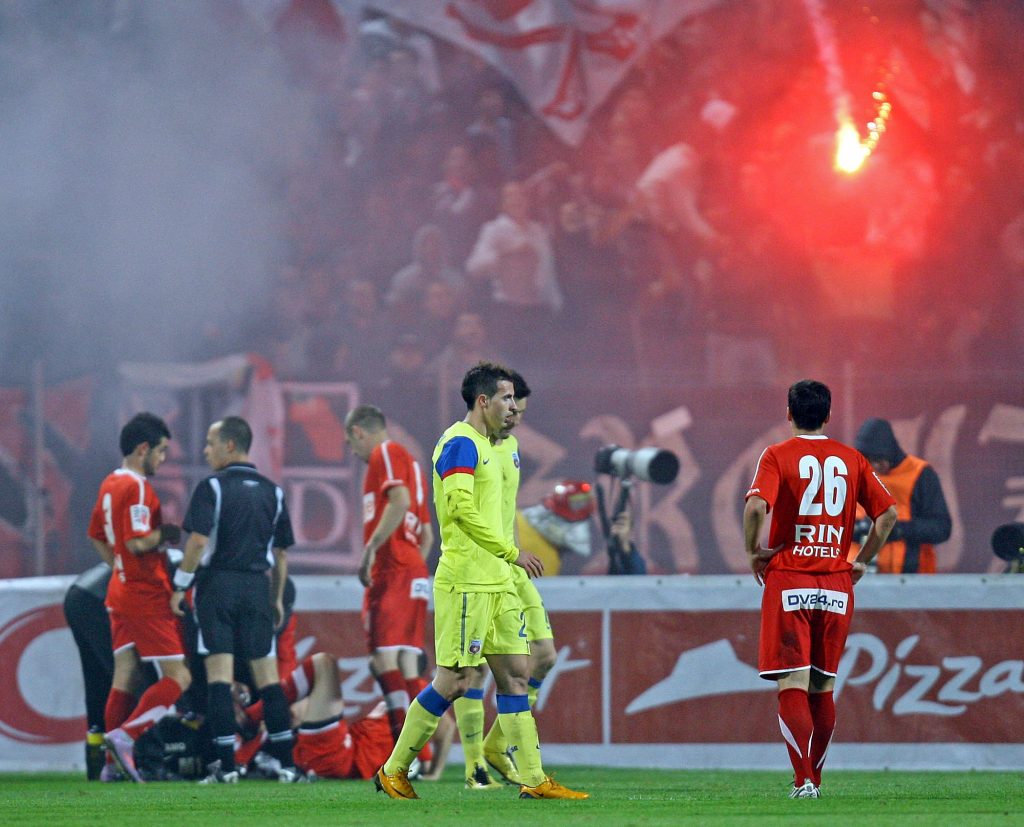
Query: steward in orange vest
[923,518]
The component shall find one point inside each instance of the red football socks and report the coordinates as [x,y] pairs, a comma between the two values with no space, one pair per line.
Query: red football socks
[154,704]
[119,707]
[823,714]
[797,726]
[396,698]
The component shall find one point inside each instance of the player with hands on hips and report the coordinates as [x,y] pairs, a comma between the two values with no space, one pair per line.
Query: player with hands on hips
[813,484]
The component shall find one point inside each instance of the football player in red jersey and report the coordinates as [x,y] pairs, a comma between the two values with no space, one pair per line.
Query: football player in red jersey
[813,484]
[127,531]
[397,537]
[328,745]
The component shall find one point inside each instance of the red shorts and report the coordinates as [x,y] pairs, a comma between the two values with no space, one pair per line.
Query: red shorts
[154,636]
[395,610]
[805,619]
[340,750]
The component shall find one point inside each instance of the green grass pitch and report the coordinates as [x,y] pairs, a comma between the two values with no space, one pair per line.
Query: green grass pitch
[618,797]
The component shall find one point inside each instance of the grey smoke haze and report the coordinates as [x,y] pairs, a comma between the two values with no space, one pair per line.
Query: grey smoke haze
[145,150]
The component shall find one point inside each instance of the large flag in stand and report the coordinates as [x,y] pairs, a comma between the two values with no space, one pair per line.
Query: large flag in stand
[564,56]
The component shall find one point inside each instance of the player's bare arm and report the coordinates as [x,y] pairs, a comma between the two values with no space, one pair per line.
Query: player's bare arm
[105,552]
[755,513]
[161,535]
[186,571]
[390,519]
[873,543]
[426,539]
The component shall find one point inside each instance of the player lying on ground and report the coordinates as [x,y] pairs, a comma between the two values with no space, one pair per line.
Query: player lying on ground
[326,744]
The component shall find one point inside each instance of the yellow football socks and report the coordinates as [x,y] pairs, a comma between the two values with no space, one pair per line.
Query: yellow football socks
[421,721]
[520,729]
[469,715]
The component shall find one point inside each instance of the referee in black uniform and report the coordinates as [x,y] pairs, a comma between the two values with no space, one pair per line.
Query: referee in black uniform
[239,528]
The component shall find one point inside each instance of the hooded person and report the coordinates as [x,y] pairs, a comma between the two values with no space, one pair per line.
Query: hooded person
[923,517]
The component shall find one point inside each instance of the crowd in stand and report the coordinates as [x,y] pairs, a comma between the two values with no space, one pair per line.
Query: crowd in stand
[699,232]
[700,229]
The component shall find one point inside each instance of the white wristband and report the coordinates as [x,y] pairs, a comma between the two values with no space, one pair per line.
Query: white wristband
[183,579]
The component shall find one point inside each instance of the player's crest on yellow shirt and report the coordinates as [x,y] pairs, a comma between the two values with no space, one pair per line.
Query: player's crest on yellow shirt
[475,646]
[515,458]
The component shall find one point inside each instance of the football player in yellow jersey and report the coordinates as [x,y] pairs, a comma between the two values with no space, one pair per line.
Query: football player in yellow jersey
[477,613]
[537,625]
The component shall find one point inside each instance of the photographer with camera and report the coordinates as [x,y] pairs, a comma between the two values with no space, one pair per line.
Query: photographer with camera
[647,464]
[923,517]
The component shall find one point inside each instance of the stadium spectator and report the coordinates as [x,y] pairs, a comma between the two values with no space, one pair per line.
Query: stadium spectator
[492,126]
[923,518]
[514,253]
[459,206]
[235,516]
[364,329]
[477,616]
[129,534]
[596,286]
[814,485]
[429,265]
[397,537]
[380,35]
[404,383]
[467,347]
[437,315]
[634,116]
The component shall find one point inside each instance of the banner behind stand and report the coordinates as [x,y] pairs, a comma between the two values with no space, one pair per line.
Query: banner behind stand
[651,671]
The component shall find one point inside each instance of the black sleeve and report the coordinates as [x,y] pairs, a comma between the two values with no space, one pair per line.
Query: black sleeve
[930,521]
[283,537]
[200,510]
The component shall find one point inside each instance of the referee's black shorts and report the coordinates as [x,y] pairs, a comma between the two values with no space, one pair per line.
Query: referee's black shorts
[234,614]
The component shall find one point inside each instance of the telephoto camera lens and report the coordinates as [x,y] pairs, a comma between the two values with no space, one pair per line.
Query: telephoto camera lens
[648,464]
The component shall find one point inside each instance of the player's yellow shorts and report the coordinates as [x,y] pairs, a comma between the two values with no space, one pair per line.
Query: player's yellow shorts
[538,624]
[470,625]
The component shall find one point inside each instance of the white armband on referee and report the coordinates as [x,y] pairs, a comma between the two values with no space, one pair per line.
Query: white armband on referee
[183,579]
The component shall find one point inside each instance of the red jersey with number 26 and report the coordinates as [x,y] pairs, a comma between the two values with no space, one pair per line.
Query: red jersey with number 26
[127,507]
[812,485]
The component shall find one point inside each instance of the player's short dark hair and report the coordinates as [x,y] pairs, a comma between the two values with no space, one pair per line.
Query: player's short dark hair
[520,390]
[143,427]
[810,403]
[236,429]
[483,378]
[366,416]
